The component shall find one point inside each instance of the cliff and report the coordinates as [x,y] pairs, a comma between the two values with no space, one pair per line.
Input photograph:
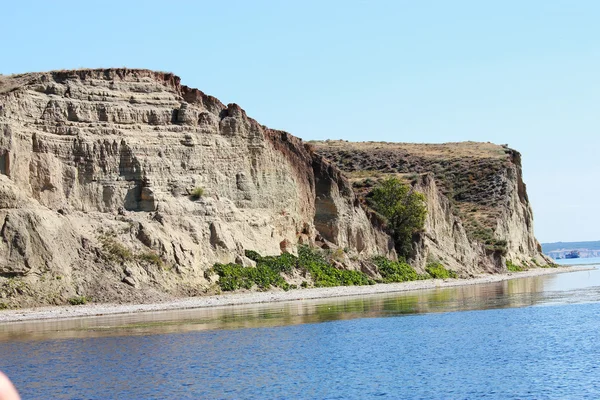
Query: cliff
[100,176]
[125,185]
[479,216]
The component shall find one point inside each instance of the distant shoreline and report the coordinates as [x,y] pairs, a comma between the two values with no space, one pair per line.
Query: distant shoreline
[233,299]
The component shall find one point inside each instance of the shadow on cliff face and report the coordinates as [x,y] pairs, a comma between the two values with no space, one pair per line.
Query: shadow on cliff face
[140,196]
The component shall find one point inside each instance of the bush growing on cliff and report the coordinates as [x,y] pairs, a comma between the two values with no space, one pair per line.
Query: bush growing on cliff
[151,257]
[403,208]
[115,251]
[197,193]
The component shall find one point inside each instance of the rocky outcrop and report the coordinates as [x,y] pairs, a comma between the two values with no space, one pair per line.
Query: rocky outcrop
[478,213]
[124,185]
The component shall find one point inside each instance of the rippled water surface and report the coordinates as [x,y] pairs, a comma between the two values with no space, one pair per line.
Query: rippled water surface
[525,338]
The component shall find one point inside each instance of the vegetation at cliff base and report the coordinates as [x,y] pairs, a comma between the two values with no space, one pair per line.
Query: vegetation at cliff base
[326,275]
[438,271]
[403,208]
[78,300]
[513,267]
[396,271]
[234,276]
[269,269]
[313,265]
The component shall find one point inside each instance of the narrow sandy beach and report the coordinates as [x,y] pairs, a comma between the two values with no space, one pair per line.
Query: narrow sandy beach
[88,310]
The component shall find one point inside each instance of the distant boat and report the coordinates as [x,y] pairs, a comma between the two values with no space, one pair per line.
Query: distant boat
[572,254]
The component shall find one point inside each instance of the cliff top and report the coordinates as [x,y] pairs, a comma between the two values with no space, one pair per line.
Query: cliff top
[438,151]
[9,83]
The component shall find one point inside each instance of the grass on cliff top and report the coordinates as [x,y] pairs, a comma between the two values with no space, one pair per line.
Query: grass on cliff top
[441,151]
[315,267]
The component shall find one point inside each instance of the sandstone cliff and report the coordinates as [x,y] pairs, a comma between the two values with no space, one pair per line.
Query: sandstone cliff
[124,185]
[98,174]
[478,216]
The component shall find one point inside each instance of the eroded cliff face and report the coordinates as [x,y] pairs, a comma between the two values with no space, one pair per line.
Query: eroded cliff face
[97,174]
[124,185]
[478,213]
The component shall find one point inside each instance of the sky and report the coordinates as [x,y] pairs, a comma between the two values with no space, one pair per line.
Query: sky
[522,73]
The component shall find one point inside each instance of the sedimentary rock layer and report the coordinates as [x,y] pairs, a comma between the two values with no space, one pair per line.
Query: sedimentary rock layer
[123,184]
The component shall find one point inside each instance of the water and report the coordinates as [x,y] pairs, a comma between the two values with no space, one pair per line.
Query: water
[524,338]
[578,261]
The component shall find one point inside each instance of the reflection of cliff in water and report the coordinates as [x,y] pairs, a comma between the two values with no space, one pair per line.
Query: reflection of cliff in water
[513,293]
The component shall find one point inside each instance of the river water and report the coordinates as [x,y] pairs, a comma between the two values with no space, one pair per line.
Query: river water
[524,338]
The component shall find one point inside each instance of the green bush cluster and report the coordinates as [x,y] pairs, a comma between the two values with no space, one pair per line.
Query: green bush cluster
[197,192]
[396,271]
[269,269]
[115,251]
[513,267]
[438,271]
[283,263]
[150,257]
[235,276]
[324,274]
[78,300]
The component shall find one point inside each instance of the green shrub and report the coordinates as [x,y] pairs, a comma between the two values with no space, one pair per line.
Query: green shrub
[150,257]
[78,300]
[234,277]
[253,255]
[324,274]
[438,271]
[395,271]
[403,208]
[513,267]
[3,306]
[311,261]
[115,251]
[284,263]
[492,244]
[269,268]
[197,192]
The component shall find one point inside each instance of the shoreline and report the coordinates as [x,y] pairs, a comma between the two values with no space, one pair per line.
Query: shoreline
[235,299]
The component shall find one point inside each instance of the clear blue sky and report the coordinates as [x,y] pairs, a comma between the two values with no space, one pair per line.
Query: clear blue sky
[525,73]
